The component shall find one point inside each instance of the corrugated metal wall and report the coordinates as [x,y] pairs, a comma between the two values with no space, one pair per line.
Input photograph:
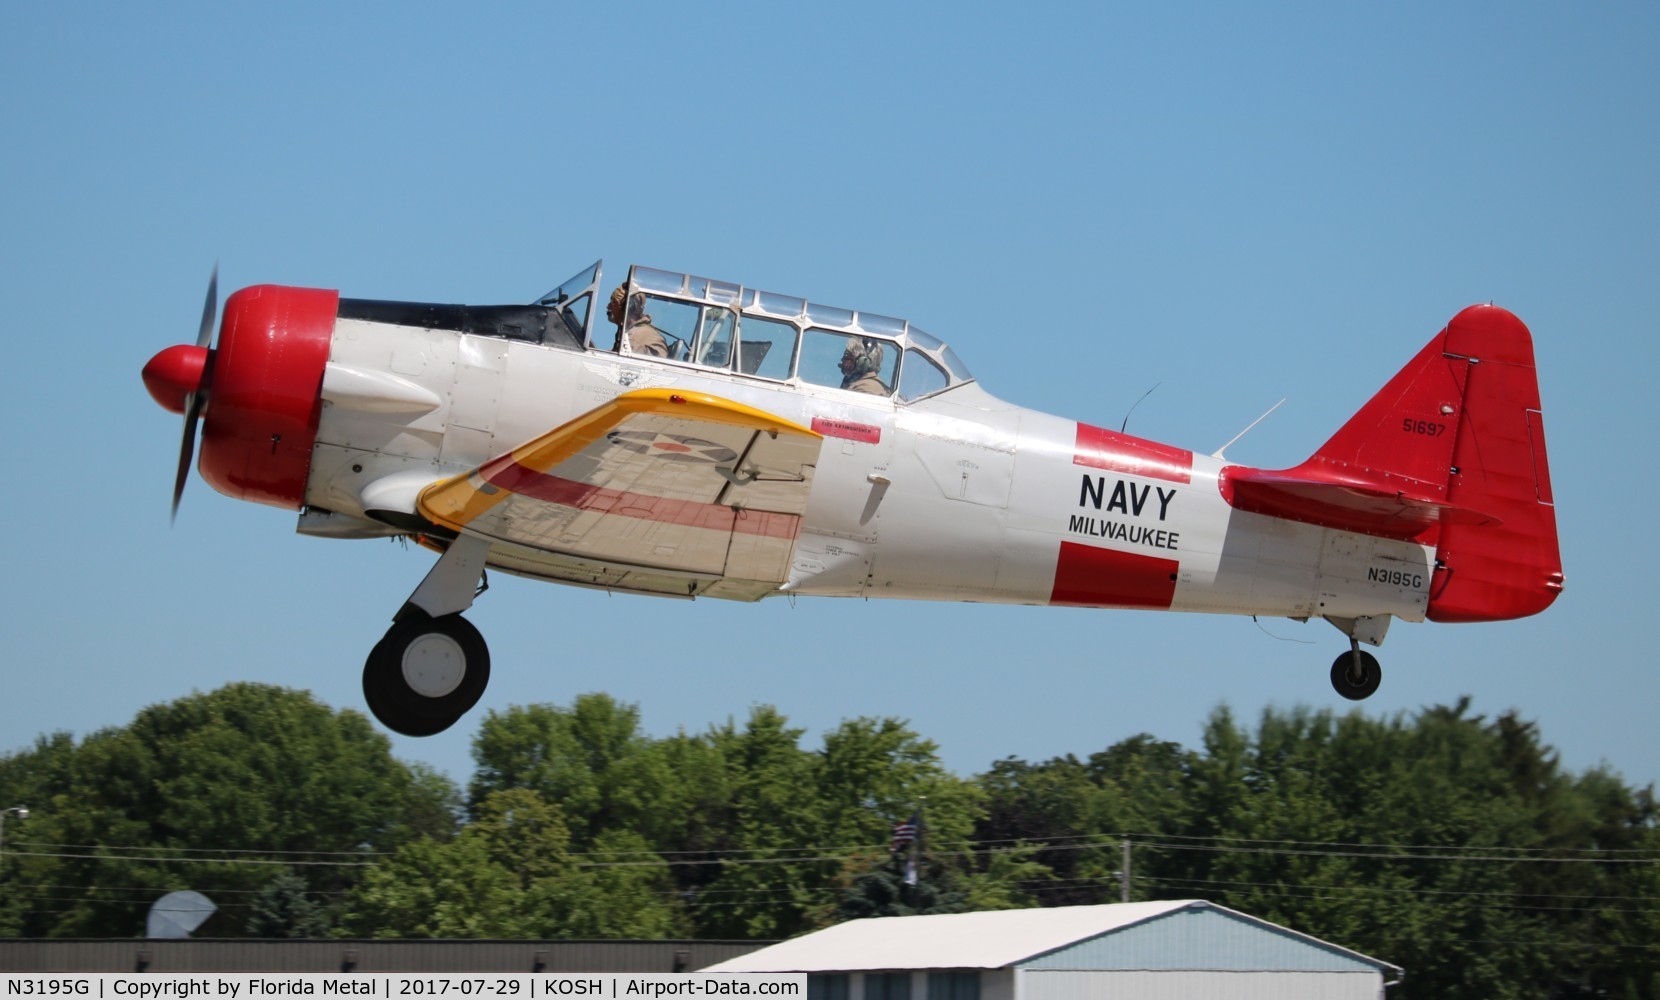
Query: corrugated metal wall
[249,955]
[998,984]
[1189,985]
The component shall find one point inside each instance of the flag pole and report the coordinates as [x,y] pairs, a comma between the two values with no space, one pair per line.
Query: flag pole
[911,876]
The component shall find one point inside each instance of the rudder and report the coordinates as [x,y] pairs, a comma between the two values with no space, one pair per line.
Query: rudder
[1509,567]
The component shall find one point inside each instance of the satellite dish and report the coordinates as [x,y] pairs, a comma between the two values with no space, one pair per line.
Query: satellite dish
[176,914]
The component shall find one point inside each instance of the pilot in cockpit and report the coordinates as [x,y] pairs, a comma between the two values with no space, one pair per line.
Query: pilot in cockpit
[860,362]
[635,334]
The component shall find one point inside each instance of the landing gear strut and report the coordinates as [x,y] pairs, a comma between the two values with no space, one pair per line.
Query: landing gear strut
[1356,674]
[432,665]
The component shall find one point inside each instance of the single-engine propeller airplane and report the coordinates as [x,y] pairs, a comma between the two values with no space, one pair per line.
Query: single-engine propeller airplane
[733,443]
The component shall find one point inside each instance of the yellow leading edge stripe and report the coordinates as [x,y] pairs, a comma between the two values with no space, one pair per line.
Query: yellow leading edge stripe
[457,501]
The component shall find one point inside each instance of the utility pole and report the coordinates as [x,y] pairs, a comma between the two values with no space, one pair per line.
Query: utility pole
[1124,874]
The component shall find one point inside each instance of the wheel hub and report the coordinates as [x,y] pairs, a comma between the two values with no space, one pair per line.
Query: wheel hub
[434,665]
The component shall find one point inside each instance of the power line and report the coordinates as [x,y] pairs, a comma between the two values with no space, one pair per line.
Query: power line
[971,848]
[1506,858]
[216,890]
[284,862]
[1142,837]
[204,850]
[1349,894]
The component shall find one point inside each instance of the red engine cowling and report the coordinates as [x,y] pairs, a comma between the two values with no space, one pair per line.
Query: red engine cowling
[263,383]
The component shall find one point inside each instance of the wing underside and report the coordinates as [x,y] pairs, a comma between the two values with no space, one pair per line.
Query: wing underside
[656,491]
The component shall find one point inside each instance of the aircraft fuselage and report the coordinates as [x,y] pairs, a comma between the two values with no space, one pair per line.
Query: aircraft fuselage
[959,496]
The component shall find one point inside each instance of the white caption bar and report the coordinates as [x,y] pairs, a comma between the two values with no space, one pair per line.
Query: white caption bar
[404,986]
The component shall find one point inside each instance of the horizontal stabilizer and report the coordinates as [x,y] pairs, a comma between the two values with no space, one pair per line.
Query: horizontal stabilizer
[1316,496]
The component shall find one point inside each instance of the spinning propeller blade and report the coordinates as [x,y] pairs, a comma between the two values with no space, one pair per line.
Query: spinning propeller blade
[210,308]
[187,449]
[195,401]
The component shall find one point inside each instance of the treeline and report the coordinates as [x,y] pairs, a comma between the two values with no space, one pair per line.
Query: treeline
[1445,842]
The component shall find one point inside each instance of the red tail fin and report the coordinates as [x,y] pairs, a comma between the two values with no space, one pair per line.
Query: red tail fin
[1450,453]
[1512,568]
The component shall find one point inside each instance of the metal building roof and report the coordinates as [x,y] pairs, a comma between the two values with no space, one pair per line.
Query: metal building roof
[989,939]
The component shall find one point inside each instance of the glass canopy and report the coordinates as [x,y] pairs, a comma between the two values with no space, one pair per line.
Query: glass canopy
[686,319]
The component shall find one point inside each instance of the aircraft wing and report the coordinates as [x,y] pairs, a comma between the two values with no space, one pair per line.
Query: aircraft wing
[666,484]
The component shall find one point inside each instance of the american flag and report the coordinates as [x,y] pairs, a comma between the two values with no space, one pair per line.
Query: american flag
[904,833]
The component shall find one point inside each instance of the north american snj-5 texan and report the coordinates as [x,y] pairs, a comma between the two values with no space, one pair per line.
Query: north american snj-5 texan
[712,440]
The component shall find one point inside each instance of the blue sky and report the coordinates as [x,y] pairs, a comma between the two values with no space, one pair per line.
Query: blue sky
[1237,203]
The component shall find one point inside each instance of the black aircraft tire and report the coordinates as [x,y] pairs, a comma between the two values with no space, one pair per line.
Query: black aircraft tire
[425,674]
[1356,688]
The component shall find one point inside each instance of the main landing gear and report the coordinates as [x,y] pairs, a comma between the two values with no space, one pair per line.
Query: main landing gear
[432,665]
[1356,675]
[426,673]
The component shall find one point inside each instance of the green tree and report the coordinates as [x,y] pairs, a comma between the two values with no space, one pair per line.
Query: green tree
[1428,841]
[27,779]
[1446,842]
[626,891]
[1012,879]
[805,826]
[741,821]
[510,873]
[760,888]
[1073,816]
[222,793]
[285,909]
[883,892]
[439,889]
[593,760]
[1050,807]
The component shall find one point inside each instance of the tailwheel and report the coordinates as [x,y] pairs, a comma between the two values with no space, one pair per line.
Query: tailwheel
[1356,675]
[426,673]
